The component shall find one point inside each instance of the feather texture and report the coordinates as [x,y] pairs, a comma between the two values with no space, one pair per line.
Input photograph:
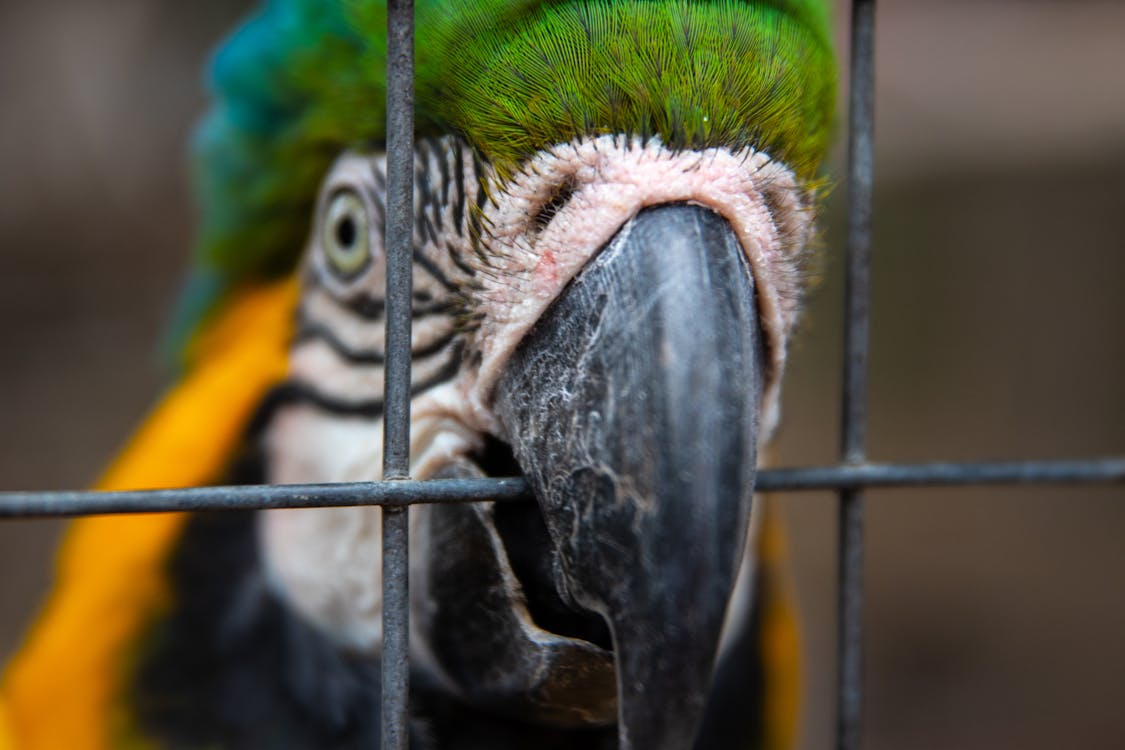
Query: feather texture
[302,80]
[110,575]
[513,78]
[292,87]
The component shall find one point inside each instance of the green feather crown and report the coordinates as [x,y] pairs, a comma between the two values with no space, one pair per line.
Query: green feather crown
[516,77]
[304,79]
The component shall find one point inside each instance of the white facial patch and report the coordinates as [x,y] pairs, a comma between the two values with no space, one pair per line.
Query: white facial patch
[328,562]
[606,181]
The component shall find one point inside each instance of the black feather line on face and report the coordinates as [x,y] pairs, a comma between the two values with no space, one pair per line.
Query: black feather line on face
[455,256]
[312,331]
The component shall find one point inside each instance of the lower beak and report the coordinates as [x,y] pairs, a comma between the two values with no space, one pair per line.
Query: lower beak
[632,408]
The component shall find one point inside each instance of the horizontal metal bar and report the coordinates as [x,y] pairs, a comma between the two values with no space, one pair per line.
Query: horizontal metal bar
[401,493]
[1080,471]
[395,493]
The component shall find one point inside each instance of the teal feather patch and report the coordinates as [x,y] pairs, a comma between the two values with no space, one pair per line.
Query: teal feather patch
[292,87]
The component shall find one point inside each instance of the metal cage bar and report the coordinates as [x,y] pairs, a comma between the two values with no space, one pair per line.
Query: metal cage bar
[395,697]
[853,428]
[390,494]
[397,492]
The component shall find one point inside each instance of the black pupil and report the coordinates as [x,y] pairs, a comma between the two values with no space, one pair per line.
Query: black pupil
[345,231]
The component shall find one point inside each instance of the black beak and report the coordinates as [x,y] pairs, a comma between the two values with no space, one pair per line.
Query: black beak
[632,408]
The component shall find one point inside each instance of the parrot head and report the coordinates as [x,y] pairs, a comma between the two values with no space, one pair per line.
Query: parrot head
[612,206]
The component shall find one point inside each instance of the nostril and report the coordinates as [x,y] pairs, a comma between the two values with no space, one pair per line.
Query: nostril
[562,194]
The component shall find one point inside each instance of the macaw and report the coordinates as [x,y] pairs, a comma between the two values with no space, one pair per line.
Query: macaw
[613,204]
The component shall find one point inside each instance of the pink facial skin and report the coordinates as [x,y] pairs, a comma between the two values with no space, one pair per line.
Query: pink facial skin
[609,180]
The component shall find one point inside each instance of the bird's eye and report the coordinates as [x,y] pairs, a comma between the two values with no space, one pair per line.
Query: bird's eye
[345,234]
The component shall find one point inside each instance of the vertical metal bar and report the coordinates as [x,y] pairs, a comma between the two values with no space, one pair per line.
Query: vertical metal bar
[396,416]
[849,675]
[399,235]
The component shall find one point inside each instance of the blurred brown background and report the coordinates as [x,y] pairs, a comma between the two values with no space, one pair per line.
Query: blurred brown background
[996,618]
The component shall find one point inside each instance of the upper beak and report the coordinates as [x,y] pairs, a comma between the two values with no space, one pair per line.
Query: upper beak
[632,408]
